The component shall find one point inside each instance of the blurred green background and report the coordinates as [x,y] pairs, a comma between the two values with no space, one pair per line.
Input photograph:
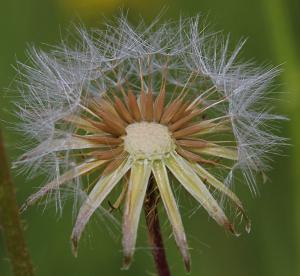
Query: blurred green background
[273,246]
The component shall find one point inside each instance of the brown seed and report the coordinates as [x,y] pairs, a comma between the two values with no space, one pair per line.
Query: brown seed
[195,104]
[181,122]
[143,103]
[105,128]
[192,143]
[122,110]
[81,123]
[149,107]
[106,140]
[108,154]
[114,164]
[180,112]
[194,157]
[112,122]
[170,111]
[188,155]
[109,108]
[108,111]
[94,106]
[159,103]
[133,107]
[188,130]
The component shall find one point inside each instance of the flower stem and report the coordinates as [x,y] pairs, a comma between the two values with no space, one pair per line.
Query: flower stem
[154,232]
[10,221]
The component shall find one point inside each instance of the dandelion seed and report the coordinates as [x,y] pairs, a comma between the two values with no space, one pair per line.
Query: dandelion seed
[164,101]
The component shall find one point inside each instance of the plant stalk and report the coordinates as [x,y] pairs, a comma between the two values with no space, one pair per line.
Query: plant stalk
[10,222]
[154,231]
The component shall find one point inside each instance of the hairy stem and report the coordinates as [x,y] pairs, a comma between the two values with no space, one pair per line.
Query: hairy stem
[154,232]
[10,221]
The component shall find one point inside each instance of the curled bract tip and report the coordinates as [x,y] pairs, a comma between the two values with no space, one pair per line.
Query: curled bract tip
[126,262]
[187,265]
[248,227]
[74,244]
[229,226]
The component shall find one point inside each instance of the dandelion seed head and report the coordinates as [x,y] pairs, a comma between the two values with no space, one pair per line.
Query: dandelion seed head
[126,103]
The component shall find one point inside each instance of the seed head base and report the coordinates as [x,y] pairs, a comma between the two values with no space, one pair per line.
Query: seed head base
[146,140]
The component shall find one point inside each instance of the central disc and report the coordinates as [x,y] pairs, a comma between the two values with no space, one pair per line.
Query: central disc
[148,140]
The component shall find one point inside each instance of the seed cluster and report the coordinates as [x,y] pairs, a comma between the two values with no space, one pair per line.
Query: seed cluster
[116,124]
[148,141]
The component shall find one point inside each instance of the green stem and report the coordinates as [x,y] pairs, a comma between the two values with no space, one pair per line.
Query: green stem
[10,221]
